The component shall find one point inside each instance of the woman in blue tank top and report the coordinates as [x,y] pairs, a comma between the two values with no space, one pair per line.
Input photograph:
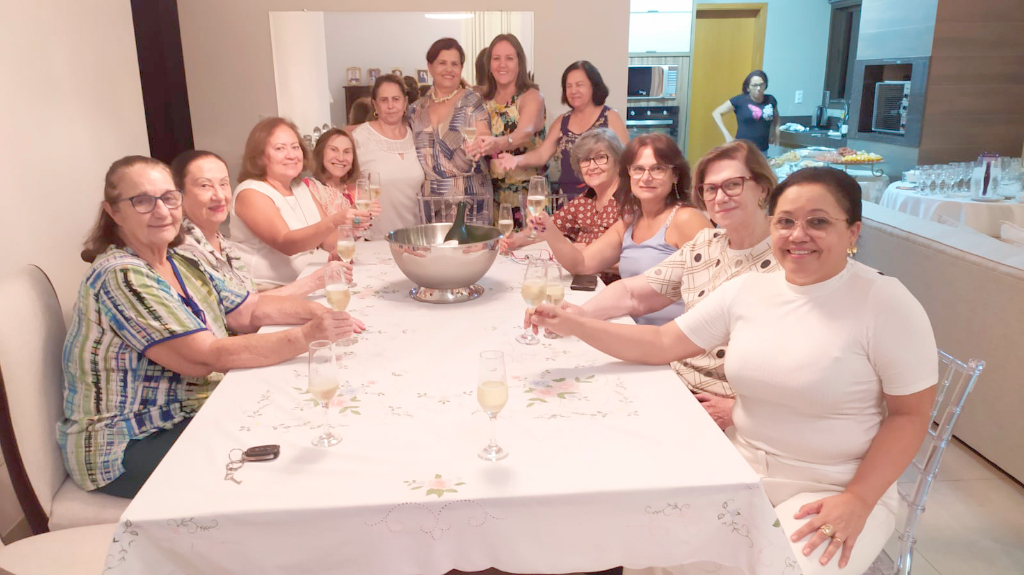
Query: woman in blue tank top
[657,218]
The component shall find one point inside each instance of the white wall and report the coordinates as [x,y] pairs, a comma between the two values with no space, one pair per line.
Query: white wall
[795,50]
[300,68]
[354,40]
[229,63]
[72,104]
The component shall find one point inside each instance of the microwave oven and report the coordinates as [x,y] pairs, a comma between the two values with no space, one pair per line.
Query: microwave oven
[652,81]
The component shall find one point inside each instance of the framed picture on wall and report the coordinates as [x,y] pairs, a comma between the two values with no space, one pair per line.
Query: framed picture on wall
[397,72]
[354,76]
[372,74]
[422,77]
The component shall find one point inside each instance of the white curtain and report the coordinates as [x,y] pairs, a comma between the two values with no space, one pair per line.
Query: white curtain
[477,33]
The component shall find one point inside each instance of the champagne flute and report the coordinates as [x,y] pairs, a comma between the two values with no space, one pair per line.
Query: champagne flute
[554,290]
[363,194]
[338,294]
[505,221]
[492,394]
[536,199]
[469,131]
[374,178]
[323,385]
[346,244]
[533,290]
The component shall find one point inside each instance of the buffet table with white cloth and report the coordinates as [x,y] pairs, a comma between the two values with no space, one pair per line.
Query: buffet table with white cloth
[984,217]
[610,463]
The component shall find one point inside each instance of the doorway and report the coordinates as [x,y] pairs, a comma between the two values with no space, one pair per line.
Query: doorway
[728,43]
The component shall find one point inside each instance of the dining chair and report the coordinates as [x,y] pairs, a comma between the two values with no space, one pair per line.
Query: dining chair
[956,380]
[77,551]
[31,405]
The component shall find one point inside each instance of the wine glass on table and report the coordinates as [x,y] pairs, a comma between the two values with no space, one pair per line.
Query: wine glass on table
[323,385]
[338,295]
[534,290]
[346,246]
[536,199]
[492,394]
[554,290]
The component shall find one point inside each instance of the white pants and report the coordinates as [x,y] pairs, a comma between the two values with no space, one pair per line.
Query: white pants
[791,485]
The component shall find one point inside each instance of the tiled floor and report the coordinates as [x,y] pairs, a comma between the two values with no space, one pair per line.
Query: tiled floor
[974,522]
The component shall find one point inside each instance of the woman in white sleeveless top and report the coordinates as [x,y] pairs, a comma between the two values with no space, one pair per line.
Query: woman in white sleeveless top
[385,145]
[276,222]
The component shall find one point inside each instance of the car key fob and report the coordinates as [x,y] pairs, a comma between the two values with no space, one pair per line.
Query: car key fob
[262,453]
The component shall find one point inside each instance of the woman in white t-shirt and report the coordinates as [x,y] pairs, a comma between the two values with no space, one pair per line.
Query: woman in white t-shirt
[385,145]
[833,364]
[275,220]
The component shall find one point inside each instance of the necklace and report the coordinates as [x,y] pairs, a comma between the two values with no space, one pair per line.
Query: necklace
[442,99]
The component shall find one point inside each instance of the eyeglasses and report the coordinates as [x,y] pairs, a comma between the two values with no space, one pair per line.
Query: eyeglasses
[145,203]
[818,226]
[732,188]
[600,160]
[657,171]
[753,85]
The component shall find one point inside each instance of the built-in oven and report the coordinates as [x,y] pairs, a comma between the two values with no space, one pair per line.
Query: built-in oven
[652,81]
[653,120]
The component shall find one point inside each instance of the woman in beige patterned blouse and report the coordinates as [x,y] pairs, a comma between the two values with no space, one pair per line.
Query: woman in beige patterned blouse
[732,182]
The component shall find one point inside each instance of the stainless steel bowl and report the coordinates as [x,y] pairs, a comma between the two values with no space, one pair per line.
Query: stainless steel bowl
[443,274]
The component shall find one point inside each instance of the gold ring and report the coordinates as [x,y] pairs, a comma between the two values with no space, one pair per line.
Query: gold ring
[837,539]
[827,530]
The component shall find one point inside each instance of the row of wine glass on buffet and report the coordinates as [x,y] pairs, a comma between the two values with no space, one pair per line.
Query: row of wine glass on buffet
[989,178]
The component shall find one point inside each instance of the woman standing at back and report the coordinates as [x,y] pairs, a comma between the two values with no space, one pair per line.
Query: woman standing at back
[585,92]
[516,107]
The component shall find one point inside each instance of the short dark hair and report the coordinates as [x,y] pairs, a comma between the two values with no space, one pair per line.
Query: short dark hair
[599,89]
[445,44]
[666,152]
[385,79]
[481,67]
[752,75]
[179,167]
[841,185]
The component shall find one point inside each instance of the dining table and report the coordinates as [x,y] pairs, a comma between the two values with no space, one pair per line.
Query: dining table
[959,210]
[610,463]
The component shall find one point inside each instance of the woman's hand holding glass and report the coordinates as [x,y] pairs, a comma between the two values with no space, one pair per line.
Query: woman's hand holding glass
[558,319]
[846,513]
[533,291]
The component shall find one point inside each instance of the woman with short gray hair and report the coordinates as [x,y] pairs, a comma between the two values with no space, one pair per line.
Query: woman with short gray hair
[595,159]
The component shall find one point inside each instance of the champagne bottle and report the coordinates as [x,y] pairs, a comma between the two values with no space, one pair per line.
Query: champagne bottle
[458,231]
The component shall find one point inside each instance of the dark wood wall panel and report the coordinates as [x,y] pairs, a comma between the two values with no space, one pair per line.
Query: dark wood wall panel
[975,96]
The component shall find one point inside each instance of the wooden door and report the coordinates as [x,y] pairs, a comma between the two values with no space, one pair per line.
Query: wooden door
[728,44]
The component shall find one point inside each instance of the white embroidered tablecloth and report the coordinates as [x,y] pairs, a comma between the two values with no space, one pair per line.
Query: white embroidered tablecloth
[984,217]
[610,463]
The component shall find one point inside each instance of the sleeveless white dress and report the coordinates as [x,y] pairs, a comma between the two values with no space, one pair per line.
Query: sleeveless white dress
[268,267]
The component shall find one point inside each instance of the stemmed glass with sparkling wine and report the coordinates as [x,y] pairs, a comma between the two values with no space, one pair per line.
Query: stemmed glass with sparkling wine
[338,294]
[362,195]
[554,291]
[536,199]
[323,385]
[346,244]
[374,179]
[492,393]
[505,221]
[534,290]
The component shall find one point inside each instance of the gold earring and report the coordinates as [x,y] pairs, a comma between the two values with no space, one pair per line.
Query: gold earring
[852,250]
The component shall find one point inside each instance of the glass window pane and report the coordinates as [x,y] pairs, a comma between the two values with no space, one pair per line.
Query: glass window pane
[661,5]
[660,32]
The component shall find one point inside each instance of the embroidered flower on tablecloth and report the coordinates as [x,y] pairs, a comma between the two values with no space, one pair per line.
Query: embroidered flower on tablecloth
[559,387]
[437,486]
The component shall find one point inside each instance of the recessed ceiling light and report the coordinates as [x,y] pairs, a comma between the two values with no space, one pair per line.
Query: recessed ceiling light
[449,15]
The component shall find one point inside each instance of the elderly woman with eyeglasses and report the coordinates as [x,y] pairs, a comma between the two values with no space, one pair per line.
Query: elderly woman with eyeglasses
[148,339]
[595,158]
[834,367]
[656,218]
[732,183]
